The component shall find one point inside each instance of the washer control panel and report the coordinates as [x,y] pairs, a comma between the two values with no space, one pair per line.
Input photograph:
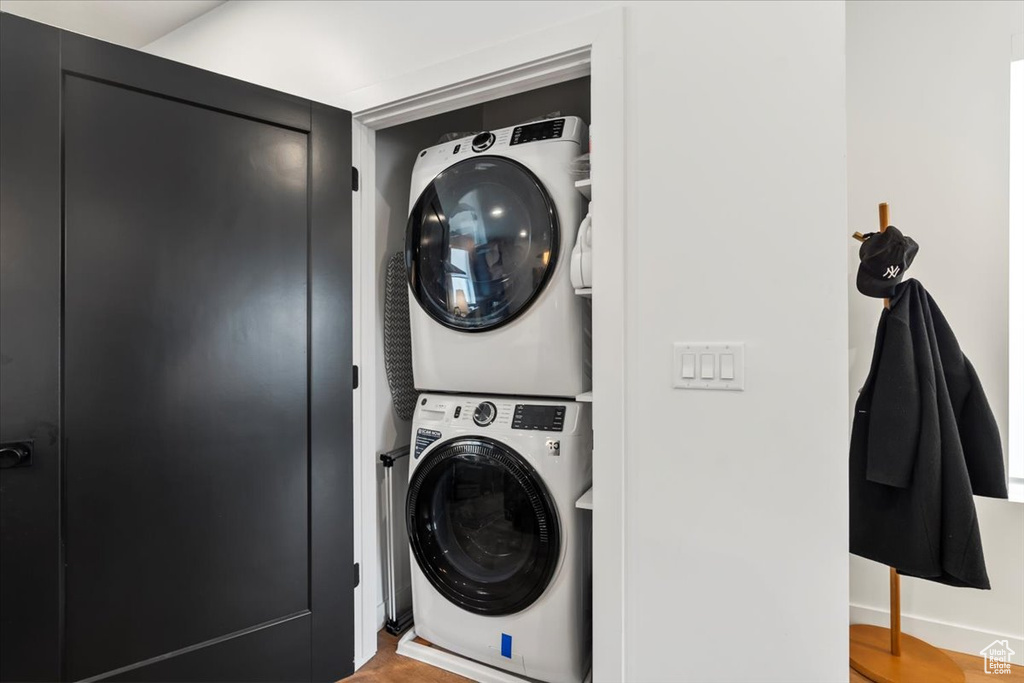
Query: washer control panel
[483,414]
[542,418]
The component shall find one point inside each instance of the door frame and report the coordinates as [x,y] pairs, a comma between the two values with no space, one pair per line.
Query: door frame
[594,45]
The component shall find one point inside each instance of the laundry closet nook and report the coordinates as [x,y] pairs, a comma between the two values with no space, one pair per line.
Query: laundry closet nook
[480,255]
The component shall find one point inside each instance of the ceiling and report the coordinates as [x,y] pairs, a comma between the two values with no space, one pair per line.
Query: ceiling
[125,22]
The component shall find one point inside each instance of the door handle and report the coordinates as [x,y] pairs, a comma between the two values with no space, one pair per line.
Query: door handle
[15,454]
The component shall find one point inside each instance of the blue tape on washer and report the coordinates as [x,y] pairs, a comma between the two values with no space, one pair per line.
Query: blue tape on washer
[506,645]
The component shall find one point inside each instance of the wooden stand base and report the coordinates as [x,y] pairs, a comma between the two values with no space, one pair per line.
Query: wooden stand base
[918,662]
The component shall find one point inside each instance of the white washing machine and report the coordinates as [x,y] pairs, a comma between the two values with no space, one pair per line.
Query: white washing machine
[492,225]
[501,570]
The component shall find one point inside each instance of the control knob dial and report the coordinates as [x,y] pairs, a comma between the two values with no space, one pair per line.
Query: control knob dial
[485,414]
[483,141]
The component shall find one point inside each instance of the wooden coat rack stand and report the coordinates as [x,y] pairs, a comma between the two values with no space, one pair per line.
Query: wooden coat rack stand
[886,655]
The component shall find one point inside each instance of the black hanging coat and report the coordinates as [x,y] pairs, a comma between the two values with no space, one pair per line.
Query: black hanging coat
[924,439]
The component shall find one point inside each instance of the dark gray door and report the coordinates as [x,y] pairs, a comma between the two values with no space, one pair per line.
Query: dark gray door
[175,335]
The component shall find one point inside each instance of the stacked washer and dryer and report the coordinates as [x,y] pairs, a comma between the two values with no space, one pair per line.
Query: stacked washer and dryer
[501,450]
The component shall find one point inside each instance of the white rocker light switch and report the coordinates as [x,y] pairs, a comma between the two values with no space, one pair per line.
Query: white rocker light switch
[727,370]
[689,366]
[708,365]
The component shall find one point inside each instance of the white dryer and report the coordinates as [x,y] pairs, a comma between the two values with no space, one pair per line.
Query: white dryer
[501,572]
[492,224]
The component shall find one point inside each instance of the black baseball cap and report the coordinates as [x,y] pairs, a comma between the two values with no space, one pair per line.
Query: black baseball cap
[884,259]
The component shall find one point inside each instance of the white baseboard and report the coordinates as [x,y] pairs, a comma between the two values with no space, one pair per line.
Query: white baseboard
[940,634]
[380,615]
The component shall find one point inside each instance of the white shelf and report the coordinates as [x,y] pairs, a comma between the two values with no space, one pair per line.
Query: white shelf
[586,501]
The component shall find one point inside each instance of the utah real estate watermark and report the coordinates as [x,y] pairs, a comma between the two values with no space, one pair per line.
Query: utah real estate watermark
[997,657]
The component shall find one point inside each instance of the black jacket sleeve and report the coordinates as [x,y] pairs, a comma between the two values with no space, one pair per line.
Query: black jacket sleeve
[979,433]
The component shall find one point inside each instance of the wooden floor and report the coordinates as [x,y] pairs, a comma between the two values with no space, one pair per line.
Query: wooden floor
[974,671]
[387,666]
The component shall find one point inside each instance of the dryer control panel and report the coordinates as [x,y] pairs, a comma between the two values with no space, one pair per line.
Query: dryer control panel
[563,129]
[545,130]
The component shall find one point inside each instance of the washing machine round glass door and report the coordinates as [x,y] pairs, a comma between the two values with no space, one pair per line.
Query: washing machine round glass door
[482,526]
[481,243]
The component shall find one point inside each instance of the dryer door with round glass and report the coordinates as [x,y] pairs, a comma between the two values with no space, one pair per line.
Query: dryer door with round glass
[481,243]
[482,526]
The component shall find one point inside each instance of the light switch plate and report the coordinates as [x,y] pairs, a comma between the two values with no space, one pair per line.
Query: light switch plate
[699,349]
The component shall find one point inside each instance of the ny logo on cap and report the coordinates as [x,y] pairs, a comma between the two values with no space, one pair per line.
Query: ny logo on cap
[891,272]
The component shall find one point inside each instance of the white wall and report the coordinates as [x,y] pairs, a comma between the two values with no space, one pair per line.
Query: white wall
[325,49]
[735,504]
[928,93]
